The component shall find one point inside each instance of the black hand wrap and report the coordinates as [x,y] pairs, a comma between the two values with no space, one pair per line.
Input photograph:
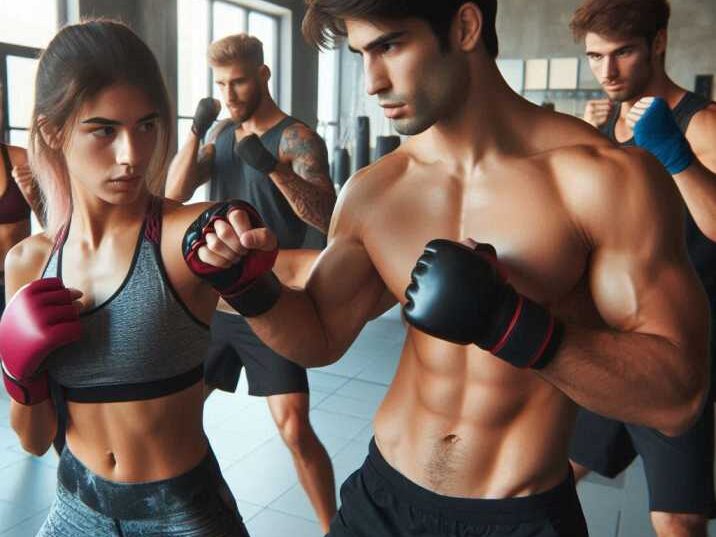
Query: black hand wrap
[249,286]
[206,113]
[460,294]
[252,151]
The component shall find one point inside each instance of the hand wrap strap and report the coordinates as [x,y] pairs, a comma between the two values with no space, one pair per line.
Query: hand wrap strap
[251,150]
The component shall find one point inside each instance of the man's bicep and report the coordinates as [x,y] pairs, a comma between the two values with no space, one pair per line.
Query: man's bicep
[657,294]
[346,290]
[640,274]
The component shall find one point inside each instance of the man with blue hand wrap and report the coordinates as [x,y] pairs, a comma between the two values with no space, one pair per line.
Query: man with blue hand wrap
[626,45]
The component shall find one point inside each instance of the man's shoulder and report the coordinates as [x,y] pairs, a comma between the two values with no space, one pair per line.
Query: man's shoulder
[601,183]
[297,133]
[379,176]
[702,127]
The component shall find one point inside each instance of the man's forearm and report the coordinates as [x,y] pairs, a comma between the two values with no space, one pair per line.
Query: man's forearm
[635,378]
[312,203]
[181,178]
[293,329]
[697,185]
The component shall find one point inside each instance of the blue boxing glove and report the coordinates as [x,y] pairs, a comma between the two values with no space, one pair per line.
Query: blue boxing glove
[657,132]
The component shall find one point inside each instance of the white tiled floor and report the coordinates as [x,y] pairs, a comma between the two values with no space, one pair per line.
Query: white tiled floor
[258,466]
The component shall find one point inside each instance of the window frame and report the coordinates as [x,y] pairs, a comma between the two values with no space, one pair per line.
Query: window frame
[276,72]
[20,51]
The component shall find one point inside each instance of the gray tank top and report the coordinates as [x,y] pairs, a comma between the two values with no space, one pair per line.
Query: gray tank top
[142,342]
[232,178]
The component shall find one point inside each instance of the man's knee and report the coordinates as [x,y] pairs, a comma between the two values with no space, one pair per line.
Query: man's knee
[679,524]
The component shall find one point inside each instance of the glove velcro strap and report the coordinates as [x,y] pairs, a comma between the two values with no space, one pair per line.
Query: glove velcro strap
[29,392]
[258,297]
[531,338]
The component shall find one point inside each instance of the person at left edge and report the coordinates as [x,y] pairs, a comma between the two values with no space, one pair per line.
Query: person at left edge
[111,302]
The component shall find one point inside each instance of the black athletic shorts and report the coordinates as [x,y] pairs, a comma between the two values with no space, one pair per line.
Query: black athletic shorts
[679,471]
[378,501]
[233,346]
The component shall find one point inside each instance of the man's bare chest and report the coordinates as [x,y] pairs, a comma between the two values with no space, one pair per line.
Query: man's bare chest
[523,218]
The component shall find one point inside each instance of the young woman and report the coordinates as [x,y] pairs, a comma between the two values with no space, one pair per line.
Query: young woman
[105,307]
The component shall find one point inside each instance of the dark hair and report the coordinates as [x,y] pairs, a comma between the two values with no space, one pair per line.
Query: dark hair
[325,19]
[621,18]
[82,60]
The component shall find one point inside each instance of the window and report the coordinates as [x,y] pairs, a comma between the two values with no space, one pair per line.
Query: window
[24,29]
[202,22]
[222,18]
[328,103]
[18,66]
[30,23]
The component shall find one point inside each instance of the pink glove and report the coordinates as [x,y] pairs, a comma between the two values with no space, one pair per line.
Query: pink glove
[40,318]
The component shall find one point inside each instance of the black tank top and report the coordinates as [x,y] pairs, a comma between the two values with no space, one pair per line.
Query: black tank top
[233,178]
[702,250]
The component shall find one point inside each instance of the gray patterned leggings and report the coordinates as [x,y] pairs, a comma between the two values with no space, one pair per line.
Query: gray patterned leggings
[195,504]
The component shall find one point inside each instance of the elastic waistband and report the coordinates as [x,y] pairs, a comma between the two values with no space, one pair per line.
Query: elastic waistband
[140,391]
[132,501]
[471,510]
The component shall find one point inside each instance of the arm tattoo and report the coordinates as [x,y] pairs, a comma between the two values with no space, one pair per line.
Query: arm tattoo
[308,189]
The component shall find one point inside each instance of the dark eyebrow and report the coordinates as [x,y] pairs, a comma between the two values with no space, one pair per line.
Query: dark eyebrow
[113,122]
[378,42]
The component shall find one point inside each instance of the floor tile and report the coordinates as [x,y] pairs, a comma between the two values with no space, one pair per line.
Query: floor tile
[269,523]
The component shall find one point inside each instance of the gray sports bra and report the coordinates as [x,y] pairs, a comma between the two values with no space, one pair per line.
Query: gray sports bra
[142,342]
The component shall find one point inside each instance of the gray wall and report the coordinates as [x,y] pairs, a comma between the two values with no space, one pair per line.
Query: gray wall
[154,20]
[541,30]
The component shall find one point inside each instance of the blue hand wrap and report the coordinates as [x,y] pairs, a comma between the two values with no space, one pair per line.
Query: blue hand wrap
[657,132]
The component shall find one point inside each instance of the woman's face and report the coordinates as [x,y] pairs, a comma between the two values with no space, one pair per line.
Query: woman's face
[111,145]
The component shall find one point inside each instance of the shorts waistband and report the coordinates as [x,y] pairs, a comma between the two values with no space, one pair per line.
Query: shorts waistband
[475,510]
[133,501]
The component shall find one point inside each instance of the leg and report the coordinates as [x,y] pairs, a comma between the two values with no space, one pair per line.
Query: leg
[679,473]
[578,470]
[600,445]
[679,524]
[313,466]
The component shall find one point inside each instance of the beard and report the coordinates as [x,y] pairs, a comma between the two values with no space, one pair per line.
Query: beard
[635,88]
[248,109]
[434,100]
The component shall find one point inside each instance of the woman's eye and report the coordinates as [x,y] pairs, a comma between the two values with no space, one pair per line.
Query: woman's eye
[149,126]
[103,132]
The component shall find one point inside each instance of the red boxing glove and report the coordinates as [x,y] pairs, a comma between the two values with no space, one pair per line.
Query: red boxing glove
[40,318]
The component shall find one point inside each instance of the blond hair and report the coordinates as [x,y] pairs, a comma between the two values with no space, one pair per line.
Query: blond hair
[236,48]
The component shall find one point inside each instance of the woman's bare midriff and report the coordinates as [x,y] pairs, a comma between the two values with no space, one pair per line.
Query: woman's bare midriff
[139,441]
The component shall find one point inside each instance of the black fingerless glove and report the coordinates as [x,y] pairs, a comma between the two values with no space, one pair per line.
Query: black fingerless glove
[459,294]
[252,151]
